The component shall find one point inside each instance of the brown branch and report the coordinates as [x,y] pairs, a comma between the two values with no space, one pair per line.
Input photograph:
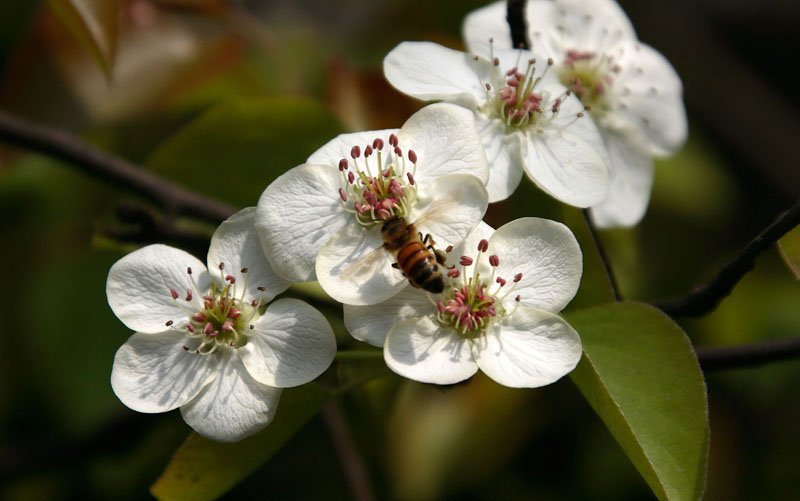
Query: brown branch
[352,463]
[733,357]
[175,199]
[704,298]
[515,15]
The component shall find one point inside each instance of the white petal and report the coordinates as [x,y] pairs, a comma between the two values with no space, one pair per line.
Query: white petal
[291,344]
[153,373]
[138,286]
[429,71]
[649,97]
[445,140]
[236,244]
[234,406]
[372,323]
[296,215]
[422,350]
[504,153]
[354,268]
[631,183]
[490,22]
[566,157]
[530,348]
[583,25]
[449,207]
[548,256]
[340,146]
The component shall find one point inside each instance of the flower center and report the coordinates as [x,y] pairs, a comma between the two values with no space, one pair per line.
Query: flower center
[220,317]
[589,76]
[517,103]
[472,303]
[379,186]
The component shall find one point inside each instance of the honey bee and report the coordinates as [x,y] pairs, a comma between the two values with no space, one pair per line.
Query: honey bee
[416,256]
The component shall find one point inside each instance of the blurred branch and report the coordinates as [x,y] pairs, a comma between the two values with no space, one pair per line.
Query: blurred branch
[601,251]
[705,298]
[515,15]
[351,460]
[732,357]
[58,144]
[143,224]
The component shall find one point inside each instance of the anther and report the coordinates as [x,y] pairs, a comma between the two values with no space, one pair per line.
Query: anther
[367,151]
[453,273]
[173,293]
[190,328]
[517,299]
[355,152]
[244,270]
[351,177]
[449,248]
[550,61]
[343,195]
[208,329]
[185,348]
[343,164]
[580,115]
[496,61]
[252,326]
[189,270]
[254,302]
[494,260]
[227,325]
[412,156]
[221,266]
[393,140]
[377,144]
[189,294]
[230,278]
[169,323]
[398,151]
[465,261]
[261,288]
[234,313]
[517,277]
[199,317]
[483,245]
[501,281]
[440,305]
[587,108]
[410,178]
[488,87]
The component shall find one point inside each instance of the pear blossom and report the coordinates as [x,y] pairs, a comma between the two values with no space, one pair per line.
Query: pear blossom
[527,120]
[322,220]
[206,341]
[633,93]
[497,313]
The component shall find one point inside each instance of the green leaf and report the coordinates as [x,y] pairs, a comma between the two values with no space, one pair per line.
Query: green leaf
[95,24]
[595,288]
[233,151]
[640,374]
[204,469]
[789,246]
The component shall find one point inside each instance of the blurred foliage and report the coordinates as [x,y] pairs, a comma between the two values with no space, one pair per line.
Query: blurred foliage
[225,96]
[790,250]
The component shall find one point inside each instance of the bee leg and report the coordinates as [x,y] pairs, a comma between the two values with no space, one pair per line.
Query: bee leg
[440,258]
[428,240]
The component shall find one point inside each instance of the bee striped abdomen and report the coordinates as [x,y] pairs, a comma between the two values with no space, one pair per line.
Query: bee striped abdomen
[419,265]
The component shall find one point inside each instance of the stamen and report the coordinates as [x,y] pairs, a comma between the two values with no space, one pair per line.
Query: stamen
[494,260]
[173,293]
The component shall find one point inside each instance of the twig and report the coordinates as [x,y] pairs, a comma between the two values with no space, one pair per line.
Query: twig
[704,298]
[747,355]
[515,15]
[143,224]
[351,461]
[601,251]
[175,199]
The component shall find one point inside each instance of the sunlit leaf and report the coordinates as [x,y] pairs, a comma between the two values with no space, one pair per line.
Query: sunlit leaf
[95,24]
[235,150]
[204,469]
[640,374]
[789,246]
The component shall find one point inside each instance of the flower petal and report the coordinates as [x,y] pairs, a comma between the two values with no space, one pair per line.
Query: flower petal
[236,244]
[583,25]
[354,268]
[339,147]
[504,155]
[422,350]
[232,407]
[566,157]
[445,140]
[429,71]
[296,215]
[548,256]
[631,183]
[489,22]
[530,348]
[449,207]
[372,323]
[138,286]
[649,98]
[291,344]
[153,373]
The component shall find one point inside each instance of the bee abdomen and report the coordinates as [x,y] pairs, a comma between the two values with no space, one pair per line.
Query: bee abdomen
[420,267]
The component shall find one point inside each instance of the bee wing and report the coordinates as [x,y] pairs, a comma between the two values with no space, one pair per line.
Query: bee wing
[364,267]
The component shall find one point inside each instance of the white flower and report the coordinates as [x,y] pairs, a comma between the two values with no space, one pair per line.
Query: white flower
[497,313]
[206,341]
[525,117]
[322,220]
[633,92]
